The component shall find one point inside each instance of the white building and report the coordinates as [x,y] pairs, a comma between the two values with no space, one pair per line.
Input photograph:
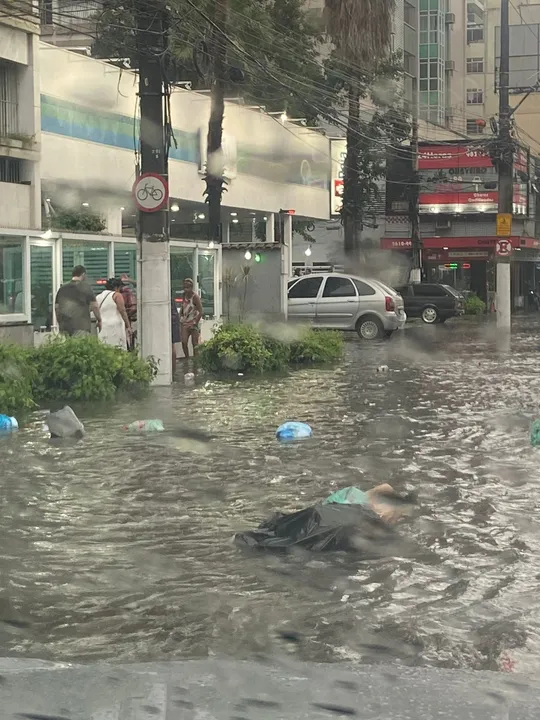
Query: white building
[88,139]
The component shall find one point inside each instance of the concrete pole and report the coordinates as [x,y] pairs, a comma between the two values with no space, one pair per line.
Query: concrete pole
[506,171]
[270,227]
[153,231]
[286,262]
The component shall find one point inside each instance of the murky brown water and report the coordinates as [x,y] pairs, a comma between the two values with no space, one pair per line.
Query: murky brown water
[119,547]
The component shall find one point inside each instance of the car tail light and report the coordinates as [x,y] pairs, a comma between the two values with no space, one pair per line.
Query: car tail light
[390,304]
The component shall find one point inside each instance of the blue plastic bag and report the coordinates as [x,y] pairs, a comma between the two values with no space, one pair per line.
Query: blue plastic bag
[293,431]
[7,424]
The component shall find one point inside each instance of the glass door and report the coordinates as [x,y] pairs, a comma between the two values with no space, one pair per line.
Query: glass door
[42,286]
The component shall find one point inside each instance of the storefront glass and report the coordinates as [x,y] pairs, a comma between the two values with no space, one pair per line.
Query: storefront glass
[205,281]
[93,255]
[125,259]
[11,275]
[182,266]
[42,289]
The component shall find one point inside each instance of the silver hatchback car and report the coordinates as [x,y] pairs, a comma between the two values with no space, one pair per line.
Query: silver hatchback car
[346,302]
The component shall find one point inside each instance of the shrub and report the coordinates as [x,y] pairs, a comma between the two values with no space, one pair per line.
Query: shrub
[17,374]
[235,348]
[316,347]
[243,348]
[82,368]
[474,305]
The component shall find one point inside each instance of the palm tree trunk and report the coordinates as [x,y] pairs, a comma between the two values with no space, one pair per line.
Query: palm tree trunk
[352,200]
[214,159]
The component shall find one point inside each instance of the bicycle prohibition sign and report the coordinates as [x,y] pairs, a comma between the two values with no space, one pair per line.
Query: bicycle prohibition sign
[151,192]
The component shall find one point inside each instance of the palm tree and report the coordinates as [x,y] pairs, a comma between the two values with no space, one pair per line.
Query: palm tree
[215,181]
[361,31]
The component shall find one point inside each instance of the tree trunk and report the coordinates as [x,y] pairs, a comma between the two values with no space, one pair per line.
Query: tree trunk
[352,191]
[214,156]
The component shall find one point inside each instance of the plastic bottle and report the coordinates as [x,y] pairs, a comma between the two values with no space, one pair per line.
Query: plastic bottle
[7,424]
[145,426]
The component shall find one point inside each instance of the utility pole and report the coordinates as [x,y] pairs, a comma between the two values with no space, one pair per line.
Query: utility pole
[505,170]
[153,226]
[414,196]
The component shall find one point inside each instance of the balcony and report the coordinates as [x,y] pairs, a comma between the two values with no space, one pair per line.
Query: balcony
[15,205]
[475,10]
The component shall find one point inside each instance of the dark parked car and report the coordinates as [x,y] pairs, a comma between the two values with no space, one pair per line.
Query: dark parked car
[431,302]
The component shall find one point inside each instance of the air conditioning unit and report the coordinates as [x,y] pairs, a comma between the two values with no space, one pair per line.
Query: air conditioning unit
[450,18]
[450,66]
[443,224]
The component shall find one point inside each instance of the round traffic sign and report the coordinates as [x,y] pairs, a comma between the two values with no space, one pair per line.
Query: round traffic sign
[151,192]
[504,248]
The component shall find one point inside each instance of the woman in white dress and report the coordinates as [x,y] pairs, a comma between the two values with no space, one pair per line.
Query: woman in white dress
[114,320]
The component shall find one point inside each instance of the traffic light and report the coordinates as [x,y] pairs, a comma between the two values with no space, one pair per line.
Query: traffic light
[257,257]
[451,266]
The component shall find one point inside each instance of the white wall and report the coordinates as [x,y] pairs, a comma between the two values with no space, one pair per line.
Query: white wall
[266,149]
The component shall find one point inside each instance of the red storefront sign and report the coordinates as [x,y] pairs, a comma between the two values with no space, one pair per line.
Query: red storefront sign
[460,178]
[442,157]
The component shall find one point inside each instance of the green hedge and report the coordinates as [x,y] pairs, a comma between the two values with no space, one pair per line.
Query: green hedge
[67,369]
[474,305]
[244,348]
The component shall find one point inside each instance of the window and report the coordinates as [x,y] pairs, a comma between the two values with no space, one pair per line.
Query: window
[10,170]
[475,65]
[93,255]
[338,287]
[9,114]
[410,14]
[11,275]
[409,63]
[475,34]
[205,281]
[46,12]
[308,288]
[475,96]
[474,128]
[425,290]
[363,288]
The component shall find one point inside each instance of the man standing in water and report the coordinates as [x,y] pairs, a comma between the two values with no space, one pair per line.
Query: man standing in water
[74,302]
[191,313]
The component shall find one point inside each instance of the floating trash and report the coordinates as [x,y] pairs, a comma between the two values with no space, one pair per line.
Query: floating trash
[8,424]
[189,378]
[64,424]
[145,426]
[383,369]
[293,431]
[535,433]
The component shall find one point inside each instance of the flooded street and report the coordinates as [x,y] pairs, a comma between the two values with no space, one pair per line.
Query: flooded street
[119,547]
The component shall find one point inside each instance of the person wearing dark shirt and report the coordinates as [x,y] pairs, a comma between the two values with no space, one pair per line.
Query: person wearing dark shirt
[74,302]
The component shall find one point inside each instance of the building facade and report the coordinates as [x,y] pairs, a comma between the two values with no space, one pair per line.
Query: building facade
[77,166]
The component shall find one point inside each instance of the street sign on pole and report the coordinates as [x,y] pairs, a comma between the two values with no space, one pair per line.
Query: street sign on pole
[504,248]
[151,192]
[504,224]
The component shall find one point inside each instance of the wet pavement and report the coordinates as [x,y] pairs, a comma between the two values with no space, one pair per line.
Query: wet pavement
[119,547]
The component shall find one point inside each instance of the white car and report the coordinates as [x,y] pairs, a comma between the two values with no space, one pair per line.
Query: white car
[336,301]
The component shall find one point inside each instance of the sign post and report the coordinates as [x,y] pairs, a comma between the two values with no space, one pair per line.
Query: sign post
[504,224]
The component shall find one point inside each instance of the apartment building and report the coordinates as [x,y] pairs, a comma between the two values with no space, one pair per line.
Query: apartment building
[19,122]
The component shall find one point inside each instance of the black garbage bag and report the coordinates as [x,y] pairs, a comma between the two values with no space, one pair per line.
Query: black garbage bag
[323,528]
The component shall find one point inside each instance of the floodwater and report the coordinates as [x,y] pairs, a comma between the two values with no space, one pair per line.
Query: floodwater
[119,547]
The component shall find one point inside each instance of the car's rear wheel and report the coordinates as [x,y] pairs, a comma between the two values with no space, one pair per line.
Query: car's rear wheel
[430,315]
[369,327]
